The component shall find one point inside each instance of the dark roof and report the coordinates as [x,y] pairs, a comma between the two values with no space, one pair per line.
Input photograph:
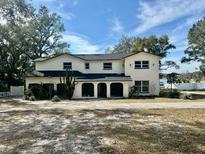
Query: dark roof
[115,56]
[89,57]
[80,76]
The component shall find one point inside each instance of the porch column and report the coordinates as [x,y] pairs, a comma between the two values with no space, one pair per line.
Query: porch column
[95,89]
[55,87]
[125,89]
[108,89]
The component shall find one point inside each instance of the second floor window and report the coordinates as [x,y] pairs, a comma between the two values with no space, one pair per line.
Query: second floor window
[87,66]
[142,64]
[107,66]
[67,65]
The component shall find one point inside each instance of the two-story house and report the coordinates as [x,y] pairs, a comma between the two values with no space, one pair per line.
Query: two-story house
[100,75]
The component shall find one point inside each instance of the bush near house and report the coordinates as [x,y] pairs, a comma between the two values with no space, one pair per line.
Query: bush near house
[32,98]
[56,99]
[134,92]
[169,94]
[27,94]
[3,87]
[42,92]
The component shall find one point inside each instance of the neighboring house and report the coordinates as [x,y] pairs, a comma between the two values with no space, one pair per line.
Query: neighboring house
[100,75]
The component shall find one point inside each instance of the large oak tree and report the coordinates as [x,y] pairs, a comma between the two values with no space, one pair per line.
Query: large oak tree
[26,34]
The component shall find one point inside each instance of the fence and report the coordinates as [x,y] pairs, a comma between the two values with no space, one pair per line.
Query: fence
[190,86]
[187,86]
[5,94]
[14,91]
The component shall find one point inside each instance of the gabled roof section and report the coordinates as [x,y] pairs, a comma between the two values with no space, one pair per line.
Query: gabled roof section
[93,57]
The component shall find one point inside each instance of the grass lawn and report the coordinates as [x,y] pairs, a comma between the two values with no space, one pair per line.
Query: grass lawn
[102,131]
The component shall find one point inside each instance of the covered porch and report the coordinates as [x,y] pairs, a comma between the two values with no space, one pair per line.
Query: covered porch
[99,89]
[86,88]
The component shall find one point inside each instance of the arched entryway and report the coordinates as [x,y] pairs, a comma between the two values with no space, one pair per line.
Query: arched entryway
[87,90]
[116,90]
[102,90]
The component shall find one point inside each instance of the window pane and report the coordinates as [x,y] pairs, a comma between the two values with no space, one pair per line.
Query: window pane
[145,83]
[87,65]
[67,65]
[145,86]
[107,66]
[145,89]
[137,83]
[145,64]
[137,64]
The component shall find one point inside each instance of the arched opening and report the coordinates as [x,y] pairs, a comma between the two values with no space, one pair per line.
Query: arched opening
[87,90]
[116,90]
[35,88]
[102,90]
[48,88]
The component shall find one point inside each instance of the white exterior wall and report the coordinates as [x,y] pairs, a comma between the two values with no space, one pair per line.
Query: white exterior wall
[79,65]
[151,74]
[56,63]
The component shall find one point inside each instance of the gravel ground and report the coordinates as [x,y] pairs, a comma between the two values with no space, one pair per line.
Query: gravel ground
[101,126]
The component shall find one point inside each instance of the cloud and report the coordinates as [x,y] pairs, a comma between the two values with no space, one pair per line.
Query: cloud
[116,25]
[79,44]
[187,23]
[60,7]
[152,14]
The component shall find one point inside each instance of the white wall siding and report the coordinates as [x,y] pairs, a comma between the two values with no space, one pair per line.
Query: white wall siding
[57,63]
[97,67]
[151,74]
[79,65]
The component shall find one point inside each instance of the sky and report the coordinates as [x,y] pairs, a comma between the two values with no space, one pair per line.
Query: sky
[91,26]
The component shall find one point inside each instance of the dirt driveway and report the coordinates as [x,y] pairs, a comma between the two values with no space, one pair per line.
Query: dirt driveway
[157,103]
[114,126]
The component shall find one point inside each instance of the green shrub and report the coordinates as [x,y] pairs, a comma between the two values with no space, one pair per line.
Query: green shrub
[170,94]
[174,94]
[32,98]
[56,99]
[42,92]
[134,92]
[27,94]
[3,87]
